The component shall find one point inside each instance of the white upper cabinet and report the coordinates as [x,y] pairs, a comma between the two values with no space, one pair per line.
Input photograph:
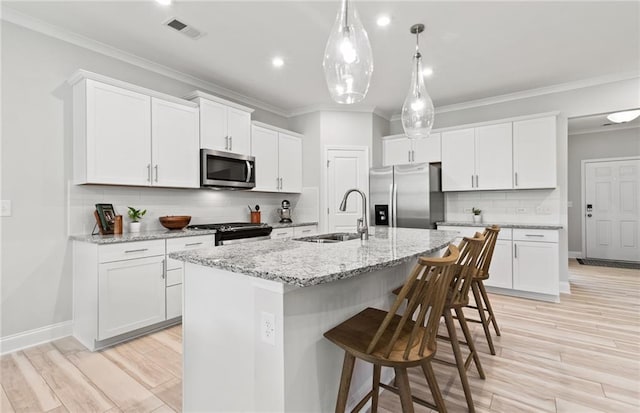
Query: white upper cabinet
[493,156]
[175,144]
[224,125]
[128,135]
[278,156]
[458,160]
[534,153]
[399,149]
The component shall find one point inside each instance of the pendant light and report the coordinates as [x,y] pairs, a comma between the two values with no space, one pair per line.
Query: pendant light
[348,62]
[417,110]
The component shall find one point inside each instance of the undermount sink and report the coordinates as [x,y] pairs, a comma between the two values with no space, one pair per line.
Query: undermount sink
[330,238]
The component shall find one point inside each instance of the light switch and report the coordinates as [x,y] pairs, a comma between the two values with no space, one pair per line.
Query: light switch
[5,208]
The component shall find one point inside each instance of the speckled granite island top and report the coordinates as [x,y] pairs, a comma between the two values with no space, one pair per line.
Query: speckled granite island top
[141,236]
[305,263]
[502,224]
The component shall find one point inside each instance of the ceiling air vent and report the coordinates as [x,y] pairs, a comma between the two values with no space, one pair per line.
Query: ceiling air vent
[184,28]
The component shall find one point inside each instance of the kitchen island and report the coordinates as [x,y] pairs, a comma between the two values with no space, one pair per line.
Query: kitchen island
[255,313]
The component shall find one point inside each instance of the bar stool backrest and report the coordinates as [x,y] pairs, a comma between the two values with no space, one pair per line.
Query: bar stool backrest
[491,237]
[425,292]
[465,268]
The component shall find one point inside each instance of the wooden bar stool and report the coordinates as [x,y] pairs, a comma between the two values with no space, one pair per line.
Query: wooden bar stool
[483,305]
[399,341]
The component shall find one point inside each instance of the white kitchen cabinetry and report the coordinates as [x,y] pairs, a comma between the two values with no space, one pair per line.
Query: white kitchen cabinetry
[128,135]
[398,150]
[305,231]
[477,158]
[280,233]
[534,153]
[224,125]
[278,156]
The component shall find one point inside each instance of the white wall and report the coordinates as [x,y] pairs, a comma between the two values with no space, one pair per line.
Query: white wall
[36,167]
[605,144]
[380,128]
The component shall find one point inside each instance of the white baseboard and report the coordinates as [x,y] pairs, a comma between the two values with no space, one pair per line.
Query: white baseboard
[565,287]
[31,338]
[575,254]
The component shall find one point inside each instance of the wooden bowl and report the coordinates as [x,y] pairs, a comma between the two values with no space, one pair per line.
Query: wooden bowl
[175,221]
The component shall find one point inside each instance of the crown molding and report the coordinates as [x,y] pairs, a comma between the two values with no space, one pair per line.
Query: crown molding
[612,128]
[12,16]
[338,108]
[530,93]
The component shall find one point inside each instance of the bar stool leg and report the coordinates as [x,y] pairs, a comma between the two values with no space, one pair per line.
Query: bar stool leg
[483,318]
[485,297]
[462,371]
[345,382]
[376,387]
[427,368]
[469,339]
[403,389]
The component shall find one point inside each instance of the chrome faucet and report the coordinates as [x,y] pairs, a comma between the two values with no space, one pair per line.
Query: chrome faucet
[363,228]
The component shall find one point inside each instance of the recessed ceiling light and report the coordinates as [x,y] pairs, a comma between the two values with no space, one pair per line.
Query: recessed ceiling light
[427,71]
[277,62]
[383,21]
[622,117]
[164,2]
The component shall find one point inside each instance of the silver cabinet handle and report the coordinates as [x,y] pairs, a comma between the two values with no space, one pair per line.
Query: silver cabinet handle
[533,235]
[516,179]
[477,184]
[164,269]
[230,143]
[472,186]
[156,168]
[409,155]
[192,244]
[148,172]
[515,250]
[226,142]
[140,250]
[277,183]
[413,156]
[306,230]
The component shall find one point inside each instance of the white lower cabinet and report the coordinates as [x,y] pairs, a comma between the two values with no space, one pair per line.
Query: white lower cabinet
[131,295]
[305,231]
[174,301]
[501,270]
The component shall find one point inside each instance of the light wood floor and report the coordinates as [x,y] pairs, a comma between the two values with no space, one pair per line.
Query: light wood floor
[579,356]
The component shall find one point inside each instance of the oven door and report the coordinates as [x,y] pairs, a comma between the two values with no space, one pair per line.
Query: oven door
[225,169]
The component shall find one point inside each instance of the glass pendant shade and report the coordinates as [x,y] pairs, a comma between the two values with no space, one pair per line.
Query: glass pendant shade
[348,61]
[417,110]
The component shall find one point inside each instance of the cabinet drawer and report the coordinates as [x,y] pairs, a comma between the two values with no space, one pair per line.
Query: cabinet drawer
[505,233]
[190,243]
[305,231]
[174,276]
[282,233]
[539,235]
[130,250]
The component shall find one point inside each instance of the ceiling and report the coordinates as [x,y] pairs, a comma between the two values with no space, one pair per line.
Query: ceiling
[598,123]
[477,49]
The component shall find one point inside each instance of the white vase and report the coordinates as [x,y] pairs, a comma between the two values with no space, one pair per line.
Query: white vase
[477,219]
[134,227]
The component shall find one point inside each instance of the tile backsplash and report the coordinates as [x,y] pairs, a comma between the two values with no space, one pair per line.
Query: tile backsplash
[204,205]
[539,206]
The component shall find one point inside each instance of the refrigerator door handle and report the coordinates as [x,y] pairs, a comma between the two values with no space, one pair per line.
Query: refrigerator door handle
[394,216]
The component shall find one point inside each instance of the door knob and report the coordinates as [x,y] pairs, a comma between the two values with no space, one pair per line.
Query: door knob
[589,215]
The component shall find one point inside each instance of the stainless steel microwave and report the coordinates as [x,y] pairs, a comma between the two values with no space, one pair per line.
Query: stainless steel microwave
[225,169]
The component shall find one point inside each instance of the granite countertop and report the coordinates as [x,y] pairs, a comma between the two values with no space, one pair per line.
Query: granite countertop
[141,236]
[502,224]
[305,263]
[292,224]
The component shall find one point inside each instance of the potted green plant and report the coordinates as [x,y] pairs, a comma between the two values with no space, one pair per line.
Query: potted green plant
[135,215]
[477,215]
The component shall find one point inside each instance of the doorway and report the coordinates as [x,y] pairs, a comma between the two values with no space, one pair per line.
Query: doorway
[611,208]
[347,167]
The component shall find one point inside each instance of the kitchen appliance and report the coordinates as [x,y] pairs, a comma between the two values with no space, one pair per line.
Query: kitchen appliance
[236,232]
[285,212]
[408,196]
[226,170]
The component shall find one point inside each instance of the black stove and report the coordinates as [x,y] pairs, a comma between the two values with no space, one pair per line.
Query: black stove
[236,232]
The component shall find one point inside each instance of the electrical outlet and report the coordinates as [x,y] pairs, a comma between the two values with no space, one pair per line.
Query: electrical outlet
[521,210]
[543,210]
[467,211]
[268,328]
[5,208]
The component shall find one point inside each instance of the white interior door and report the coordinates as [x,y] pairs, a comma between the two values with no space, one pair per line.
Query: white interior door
[612,198]
[346,169]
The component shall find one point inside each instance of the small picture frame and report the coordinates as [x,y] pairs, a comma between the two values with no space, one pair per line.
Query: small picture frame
[106,216]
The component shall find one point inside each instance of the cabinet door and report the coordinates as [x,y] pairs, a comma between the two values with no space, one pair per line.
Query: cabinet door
[131,295]
[175,144]
[264,147]
[239,130]
[396,151]
[427,150]
[535,267]
[213,125]
[493,157]
[290,163]
[534,153]
[501,269]
[174,301]
[458,160]
[118,135]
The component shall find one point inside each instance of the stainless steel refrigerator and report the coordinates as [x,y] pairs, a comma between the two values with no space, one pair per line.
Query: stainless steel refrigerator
[408,196]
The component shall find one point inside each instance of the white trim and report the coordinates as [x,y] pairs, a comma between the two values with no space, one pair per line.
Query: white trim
[337,108]
[34,337]
[583,195]
[575,254]
[31,23]
[565,287]
[602,129]
[200,94]
[524,294]
[277,129]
